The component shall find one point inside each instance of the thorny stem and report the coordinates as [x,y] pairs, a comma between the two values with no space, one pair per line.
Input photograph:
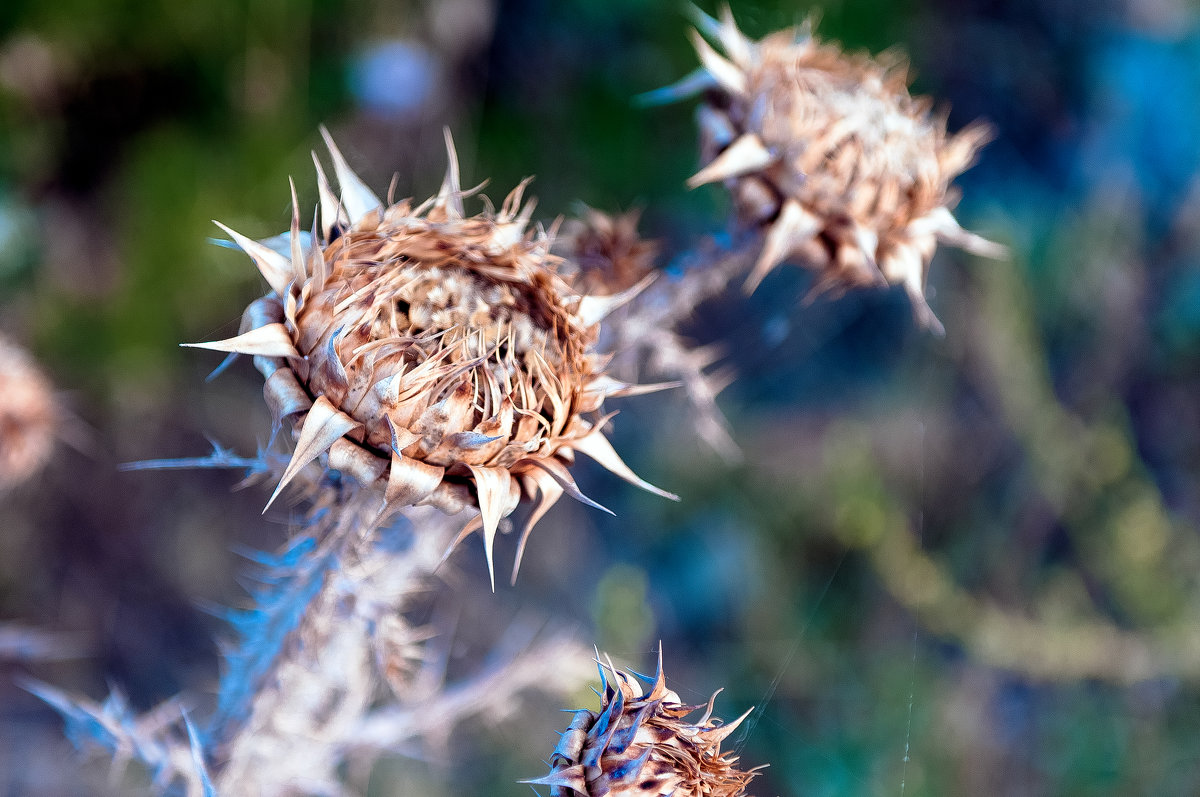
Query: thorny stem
[319,682]
[319,700]
[646,329]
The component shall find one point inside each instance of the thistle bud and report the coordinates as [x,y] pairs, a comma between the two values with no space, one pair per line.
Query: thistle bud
[610,255]
[830,157]
[641,744]
[435,356]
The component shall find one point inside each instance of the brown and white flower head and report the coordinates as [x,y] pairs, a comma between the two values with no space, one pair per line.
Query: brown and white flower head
[29,417]
[436,356]
[610,255]
[830,157]
[642,744]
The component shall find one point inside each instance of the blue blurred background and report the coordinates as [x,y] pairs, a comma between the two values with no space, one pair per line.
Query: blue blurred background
[942,566]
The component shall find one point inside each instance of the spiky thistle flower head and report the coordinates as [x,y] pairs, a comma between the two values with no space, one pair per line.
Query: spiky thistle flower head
[830,157]
[610,254]
[436,356]
[642,744]
[29,417]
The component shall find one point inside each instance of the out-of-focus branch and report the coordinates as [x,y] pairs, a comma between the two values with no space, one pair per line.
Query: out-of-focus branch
[555,665]
[19,643]
[1088,470]
[161,739]
[1071,649]
[646,331]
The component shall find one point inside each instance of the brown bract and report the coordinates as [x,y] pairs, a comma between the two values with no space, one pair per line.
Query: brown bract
[641,744]
[435,356]
[28,417]
[830,156]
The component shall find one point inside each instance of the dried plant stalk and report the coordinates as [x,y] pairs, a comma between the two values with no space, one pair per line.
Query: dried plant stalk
[317,702]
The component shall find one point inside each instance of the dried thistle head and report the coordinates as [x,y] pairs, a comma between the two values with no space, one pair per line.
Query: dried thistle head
[641,744]
[436,356]
[610,255]
[29,417]
[830,157]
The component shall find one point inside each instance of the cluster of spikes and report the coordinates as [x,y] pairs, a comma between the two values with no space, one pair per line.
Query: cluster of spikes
[437,357]
[641,744]
[828,156]
[607,251]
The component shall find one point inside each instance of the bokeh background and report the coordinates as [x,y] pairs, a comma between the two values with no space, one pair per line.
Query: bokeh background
[965,565]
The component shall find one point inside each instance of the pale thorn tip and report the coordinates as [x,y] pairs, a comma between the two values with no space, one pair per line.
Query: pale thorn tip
[560,474]
[524,215]
[941,222]
[722,70]
[708,708]
[695,82]
[322,426]
[332,212]
[357,199]
[511,208]
[596,446]
[745,155]
[721,732]
[733,40]
[704,23]
[475,522]
[609,387]
[497,499]
[299,269]
[271,340]
[450,195]
[275,268]
[923,312]
[594,309]
[867,240]
[550,491]
[794,226]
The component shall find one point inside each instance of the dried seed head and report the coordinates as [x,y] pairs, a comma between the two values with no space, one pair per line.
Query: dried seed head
[609,253]
[29,417]
[641,744]
[830,157]
[436,356]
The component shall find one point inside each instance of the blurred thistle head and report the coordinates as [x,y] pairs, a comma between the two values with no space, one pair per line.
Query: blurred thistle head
[608,252]
[29,417]
[436,356]
[829,156]
[641,744]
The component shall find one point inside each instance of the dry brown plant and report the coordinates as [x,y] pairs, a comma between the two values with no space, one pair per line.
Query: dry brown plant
[29,417]
[642,744]
[829,157]
[435,356]
[436,369]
